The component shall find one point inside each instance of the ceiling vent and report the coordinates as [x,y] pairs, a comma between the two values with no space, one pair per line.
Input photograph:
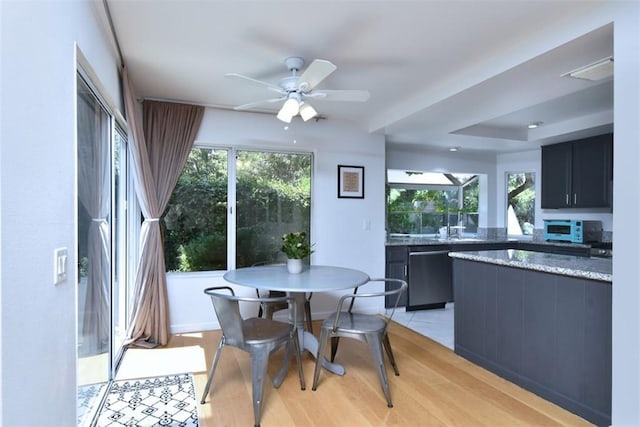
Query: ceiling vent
[596,71]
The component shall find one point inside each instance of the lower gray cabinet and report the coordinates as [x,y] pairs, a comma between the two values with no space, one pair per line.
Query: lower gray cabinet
[548,333]
[396,268]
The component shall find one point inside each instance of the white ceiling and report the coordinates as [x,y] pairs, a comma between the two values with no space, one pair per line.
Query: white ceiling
[470,74]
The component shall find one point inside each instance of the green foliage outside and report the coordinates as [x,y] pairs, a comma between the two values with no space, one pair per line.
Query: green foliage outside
[195,221]
[272,198]
[424,211]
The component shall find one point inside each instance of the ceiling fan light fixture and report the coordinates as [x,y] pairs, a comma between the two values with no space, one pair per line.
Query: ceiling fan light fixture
[307,111]
[291,107]
[283,116]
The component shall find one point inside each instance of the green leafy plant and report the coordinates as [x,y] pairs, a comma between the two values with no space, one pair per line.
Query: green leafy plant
[295,246]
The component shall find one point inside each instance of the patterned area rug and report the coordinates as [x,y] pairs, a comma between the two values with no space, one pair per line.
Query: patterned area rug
[158,401]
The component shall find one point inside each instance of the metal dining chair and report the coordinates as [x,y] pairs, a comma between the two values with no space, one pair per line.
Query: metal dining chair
[257,336]
[371,329]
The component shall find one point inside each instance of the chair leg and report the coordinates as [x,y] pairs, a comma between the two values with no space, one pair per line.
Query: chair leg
[392,360]
[375,345]
[259,362]
[277,381]
[216,357]
[307,313]
[334,347]
[324,335]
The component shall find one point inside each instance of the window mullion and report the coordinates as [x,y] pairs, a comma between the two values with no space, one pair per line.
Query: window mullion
[231,209]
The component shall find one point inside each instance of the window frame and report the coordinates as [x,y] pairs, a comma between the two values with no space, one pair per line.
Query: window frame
[232,152]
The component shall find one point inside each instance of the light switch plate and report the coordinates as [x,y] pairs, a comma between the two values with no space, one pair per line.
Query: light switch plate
[59,265]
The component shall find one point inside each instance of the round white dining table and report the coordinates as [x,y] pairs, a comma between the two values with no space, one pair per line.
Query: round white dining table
[313,278]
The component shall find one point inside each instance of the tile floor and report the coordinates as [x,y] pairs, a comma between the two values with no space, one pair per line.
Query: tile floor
[436,324]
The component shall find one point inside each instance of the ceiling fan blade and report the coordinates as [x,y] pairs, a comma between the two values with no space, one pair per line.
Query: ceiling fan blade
[340,95]
[255,82]
[258,103]
[315,73]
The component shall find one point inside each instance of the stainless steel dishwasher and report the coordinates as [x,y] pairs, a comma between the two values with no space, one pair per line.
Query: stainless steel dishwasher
[430,283]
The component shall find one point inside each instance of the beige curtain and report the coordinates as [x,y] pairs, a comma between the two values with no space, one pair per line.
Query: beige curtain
[159,153]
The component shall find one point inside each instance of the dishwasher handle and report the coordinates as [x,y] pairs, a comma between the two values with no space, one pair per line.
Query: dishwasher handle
[428,253]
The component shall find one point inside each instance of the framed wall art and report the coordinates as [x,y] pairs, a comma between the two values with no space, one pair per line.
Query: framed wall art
[350,182]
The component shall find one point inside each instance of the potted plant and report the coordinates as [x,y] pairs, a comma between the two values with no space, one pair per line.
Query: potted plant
[295,247]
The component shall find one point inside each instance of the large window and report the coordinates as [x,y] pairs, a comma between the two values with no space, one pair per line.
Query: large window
[273,197]
[195,221]
[424,203]
[521,197]
[271,194]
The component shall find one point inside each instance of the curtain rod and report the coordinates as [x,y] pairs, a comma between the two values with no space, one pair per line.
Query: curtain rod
[113,32]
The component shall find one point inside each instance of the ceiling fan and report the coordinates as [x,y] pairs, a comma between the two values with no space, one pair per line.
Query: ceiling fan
[296,90]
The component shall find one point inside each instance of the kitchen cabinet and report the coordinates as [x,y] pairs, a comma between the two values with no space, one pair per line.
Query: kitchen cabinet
[395,268]
[548,333]
[429,277]
[578,174]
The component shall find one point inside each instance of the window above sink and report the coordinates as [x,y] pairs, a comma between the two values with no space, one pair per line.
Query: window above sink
[432,204]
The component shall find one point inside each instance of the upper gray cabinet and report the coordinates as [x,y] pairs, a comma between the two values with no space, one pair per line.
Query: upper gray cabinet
[578,174]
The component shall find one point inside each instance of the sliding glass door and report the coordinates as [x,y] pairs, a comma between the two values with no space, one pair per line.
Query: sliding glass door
[94,237]
[102,295]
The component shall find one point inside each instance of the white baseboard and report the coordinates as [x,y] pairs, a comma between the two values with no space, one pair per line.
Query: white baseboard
[193,327]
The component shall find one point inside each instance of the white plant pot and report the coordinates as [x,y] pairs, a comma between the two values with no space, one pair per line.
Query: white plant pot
[294,266]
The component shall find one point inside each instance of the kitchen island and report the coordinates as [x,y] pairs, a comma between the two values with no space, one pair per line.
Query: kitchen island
[540,320]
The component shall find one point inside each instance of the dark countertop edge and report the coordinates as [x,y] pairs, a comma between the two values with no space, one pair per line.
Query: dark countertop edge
[415,241]
[561,270]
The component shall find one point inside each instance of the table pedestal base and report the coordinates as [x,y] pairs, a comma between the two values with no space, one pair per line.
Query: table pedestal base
[307,340]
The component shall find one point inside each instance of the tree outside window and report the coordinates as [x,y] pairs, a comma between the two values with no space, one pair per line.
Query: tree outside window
[521,196]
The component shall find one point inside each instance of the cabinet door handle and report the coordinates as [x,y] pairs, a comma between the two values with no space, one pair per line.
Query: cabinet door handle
[405,271]
[566,199]
[575,198]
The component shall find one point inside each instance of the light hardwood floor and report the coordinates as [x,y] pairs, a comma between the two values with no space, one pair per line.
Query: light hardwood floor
[435,387]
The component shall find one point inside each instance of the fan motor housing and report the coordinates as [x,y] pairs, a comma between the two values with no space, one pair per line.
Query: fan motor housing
[289,84]
[294,63]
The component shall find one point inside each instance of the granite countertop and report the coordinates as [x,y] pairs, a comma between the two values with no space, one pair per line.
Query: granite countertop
[428,240]
[567,265]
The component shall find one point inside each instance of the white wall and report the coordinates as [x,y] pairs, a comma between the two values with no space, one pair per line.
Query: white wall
[338,226]
[38,202]
[530,161]
[626,206]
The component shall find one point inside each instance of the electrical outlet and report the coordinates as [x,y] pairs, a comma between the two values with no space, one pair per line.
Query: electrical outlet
[59,265]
